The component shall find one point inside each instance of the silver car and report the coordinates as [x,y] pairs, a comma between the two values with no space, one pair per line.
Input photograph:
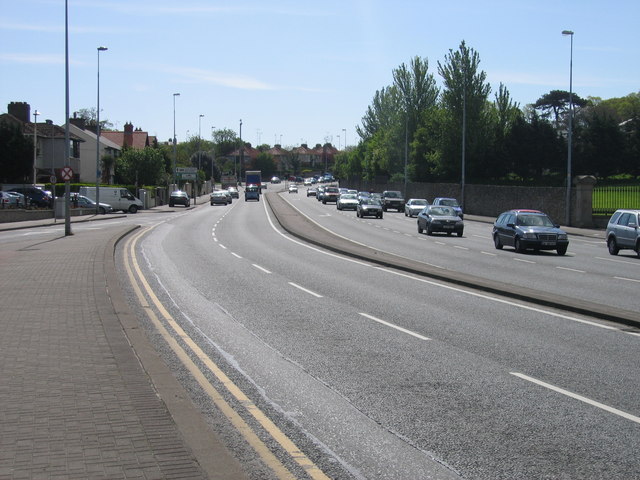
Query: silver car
[347,201]
[414,206]
[623,231]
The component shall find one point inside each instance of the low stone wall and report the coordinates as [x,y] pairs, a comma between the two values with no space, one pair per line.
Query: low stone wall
[8,215]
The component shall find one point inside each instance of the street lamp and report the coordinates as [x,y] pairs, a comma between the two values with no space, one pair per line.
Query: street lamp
[199,147]
[569,131]
[35,143]
[98,172]
[174,137]
[344,137]
[241,150]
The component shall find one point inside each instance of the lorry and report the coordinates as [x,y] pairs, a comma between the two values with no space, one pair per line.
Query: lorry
[119,198]
[253,177]
[227,181]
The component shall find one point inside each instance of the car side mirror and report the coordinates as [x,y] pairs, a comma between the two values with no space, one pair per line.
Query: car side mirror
[632,225]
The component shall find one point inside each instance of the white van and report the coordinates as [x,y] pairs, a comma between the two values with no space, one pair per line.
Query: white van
[118,198]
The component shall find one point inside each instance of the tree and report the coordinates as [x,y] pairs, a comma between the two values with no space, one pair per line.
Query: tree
[465,91]
[381,114]
[556,104]
[90,117]
[264,162]
[140,167]
[16,155]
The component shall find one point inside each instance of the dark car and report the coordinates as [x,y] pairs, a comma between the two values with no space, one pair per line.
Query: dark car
[392,199]
[623,231]
[369,207]
[252,192]
[331,194]
[440,218]
[36,196]
[179,198]
[529,229]
[219,197]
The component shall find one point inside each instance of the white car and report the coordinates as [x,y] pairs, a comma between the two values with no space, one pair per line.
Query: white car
[293,188]
[414,206]
[347,201]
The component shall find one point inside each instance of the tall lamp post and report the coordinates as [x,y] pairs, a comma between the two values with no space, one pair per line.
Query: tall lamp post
[35,143]
[344,137]
[241,151]
[98,172]
[569,131]
[174,137]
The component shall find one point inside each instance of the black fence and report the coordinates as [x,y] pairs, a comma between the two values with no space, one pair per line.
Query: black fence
[608,199]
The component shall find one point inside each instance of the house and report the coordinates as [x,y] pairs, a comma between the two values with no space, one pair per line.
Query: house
[280,157]
[88,152]
[130,138]
[323,156]
[50,143]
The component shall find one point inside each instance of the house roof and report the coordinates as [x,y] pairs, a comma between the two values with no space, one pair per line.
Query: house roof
[43,129]
[136,139]
[88,134]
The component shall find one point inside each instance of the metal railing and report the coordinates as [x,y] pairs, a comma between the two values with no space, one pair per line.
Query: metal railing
[607,199]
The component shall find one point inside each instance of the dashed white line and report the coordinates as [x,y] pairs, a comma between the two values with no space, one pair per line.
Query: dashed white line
[571,269]
[460,248]
[523,260]
[317,295]
[222,246]
[627,279]
[261,268]
[404,330]
[602,406]
[489,253]
[235,255]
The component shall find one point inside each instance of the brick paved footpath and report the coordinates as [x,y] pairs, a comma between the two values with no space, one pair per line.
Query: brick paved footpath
[74,399]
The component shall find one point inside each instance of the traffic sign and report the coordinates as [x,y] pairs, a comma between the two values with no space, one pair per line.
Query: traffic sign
[66,173]
[186,170]
[53,180]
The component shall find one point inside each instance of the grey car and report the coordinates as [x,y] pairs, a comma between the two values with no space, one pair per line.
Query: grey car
[623,231]
[414,206]
[440,218]
[179,198]
[369,207]
[528,229]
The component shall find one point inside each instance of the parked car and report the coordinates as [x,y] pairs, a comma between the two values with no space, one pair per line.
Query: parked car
[449,202]
[414,206]
[293,188]
[392,199]
[179,198]
[21,199]
[623,231]
[369,207]
[529,229]
[85,202]
[440,218]
[8,200]
[347,201]
[233,191]
[37,196]
[330,194]
[219,197]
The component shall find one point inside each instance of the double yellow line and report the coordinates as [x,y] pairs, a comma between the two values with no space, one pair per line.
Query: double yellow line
[143,291]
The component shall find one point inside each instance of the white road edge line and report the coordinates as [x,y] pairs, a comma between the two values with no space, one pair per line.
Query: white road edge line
[602,406]
[404,330]
[261,268]
[317,295]
[571,269]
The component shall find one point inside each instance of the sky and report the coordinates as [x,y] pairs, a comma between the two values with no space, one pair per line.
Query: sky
[296,71]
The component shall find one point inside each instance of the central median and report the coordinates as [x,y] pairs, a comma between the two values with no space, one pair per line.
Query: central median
[304,228]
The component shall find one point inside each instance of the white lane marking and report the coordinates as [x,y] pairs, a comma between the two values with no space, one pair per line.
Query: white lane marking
[222,246]
[481,236]
[317,295]
[408,235]
[602,406]
[460,248]
[404,330]
[489,253]
[498,300]
[571,269]
[440,243]
[235,255]
[617,261]
[627,279]
[523,260]
[261,268]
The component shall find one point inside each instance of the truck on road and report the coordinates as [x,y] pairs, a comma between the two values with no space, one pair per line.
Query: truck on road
[253,177]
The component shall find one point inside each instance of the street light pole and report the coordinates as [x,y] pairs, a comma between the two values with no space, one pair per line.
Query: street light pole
[35,143]
[569,131]
[174,138]
[241,151]
[98,172]
[344,137]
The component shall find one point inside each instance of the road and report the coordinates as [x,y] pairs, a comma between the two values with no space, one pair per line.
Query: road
[374,373]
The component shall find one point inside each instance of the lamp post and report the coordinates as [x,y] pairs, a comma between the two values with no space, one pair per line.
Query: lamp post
[174,138]
[67,136]
[213,139]
[98,172]
[344,137]
[464,133]
[569,131]
[35,143]
[241,150]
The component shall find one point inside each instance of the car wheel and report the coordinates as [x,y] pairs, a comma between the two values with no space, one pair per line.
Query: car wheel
[517,245]
[612,246]
[562,250]
[170,204]
[380,216]
[212,204]
[419,229]
[406,214]
[133,209]
[638,248]
[459,234]
[102,210]
[496,242]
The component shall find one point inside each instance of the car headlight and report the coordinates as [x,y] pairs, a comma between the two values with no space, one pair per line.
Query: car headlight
[529,235]
[562,236]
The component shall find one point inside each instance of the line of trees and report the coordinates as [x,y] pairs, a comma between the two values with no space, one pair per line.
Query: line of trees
[414,119]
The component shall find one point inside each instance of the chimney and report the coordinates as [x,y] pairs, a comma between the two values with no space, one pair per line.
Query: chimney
[20,110]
